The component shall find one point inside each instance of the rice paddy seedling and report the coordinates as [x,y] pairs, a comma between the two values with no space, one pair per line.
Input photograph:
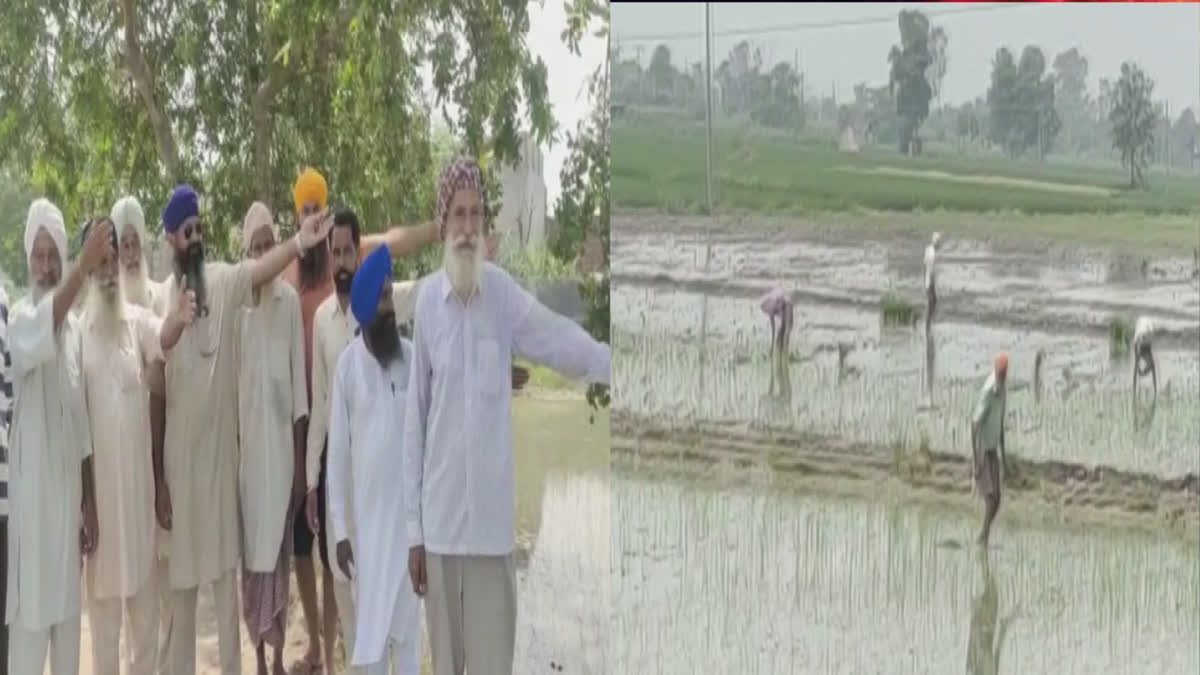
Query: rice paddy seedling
[897,311]
[1120,335]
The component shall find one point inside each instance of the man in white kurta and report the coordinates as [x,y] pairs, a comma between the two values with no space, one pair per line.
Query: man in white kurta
[458,469]
[366,424]
[49,455]
[197,482]
[272,407]
[333,329]
[119,345]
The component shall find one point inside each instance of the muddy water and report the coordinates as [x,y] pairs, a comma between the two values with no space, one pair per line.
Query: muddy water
[1064,290]
[672,383]
[768,581]
[562,549]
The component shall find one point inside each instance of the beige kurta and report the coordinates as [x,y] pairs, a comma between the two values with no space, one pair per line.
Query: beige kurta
[117,405]
[271,398]
[48,442]
[201,446]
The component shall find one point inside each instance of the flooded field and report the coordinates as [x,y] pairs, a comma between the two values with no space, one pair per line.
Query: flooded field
[692,344]
[764,580]
[563,542]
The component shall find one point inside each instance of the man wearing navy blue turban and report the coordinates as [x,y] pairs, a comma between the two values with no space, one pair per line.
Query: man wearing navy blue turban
[196,457]
[369,397]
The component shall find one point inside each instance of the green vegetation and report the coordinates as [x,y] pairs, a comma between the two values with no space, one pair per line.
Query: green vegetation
[659,164]
[1120,335]
[896,311]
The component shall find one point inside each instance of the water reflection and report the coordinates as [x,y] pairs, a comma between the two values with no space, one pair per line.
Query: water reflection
[986,640]
[562,514]
[733,581]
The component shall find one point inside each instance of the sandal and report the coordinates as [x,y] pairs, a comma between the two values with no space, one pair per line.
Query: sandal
[306,667]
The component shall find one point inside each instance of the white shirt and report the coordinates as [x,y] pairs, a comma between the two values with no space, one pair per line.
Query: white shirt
[366,421]
[49,441]
[930,266]
[333,329]
[1143,330]
[458,468]
[271,399]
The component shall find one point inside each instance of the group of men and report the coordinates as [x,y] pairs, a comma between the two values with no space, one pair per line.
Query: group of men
[165,434]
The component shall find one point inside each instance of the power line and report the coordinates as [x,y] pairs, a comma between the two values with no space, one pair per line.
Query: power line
[811,25]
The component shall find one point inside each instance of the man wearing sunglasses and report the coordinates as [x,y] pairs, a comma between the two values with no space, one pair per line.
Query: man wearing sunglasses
[196,464]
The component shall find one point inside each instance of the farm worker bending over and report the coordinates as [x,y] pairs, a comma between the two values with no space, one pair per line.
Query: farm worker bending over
[987,442]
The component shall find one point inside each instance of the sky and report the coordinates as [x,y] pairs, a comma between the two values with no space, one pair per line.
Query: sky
[567,81]
[840,45]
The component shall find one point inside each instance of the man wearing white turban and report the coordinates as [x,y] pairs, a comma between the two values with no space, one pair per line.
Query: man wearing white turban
[272,425]
[50,448]
[130,223]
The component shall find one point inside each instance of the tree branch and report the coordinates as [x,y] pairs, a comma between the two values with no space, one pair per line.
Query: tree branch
[264,97]
[143,81]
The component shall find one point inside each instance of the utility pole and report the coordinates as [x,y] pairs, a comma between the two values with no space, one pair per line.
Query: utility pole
[708,106]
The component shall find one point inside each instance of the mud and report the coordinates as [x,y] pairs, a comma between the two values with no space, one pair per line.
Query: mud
[1064,490]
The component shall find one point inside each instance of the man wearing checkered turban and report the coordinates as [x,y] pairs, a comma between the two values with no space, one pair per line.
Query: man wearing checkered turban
[470,318]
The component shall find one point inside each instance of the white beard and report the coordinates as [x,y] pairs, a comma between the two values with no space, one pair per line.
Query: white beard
[463,269]
[106,311]
[137,285]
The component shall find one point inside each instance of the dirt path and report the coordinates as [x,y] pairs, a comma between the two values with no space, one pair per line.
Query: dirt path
[1047,489]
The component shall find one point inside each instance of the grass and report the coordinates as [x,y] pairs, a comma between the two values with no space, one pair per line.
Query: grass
[896,311]
[541,377]
[659,164]
[1120,335]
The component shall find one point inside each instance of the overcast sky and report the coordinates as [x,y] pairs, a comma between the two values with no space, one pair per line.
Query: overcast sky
[849,42]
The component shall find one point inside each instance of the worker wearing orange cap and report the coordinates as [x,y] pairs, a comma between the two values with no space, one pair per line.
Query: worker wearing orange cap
[987,442]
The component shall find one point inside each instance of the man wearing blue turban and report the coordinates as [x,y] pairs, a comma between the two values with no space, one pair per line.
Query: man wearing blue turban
[196,457]
[369,397]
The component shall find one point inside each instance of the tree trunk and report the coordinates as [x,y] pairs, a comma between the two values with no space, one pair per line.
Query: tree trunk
[143,80]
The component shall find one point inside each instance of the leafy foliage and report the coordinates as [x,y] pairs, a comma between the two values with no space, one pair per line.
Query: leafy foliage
[105,98]
[582,209]
[910,61]
[1021,103]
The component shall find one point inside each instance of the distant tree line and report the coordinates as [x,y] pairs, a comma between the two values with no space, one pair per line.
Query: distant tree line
[1031,106]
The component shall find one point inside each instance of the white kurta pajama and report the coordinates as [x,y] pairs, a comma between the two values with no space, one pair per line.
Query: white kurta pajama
[366,426]
[121,572]
[271,399]
[333,329]
[48,442]
[200,456]
[458,466]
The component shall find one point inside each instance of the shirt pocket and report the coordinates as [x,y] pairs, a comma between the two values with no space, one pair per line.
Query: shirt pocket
[492,368]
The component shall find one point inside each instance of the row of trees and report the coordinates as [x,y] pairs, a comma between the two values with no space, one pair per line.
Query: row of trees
[1032,106]
[101,98]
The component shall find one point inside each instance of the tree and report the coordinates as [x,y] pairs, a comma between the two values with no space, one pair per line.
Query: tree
[661,73]
[1071,95]
[909,61]
[104,98]
[1021,102]
[582,209]
[1185,137]
[1133,120]
[935,74]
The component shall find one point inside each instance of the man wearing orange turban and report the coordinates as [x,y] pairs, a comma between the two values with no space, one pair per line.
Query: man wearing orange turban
[988,457]
[312,277]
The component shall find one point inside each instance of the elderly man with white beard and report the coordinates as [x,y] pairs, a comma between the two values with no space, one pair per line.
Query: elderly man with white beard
[119,342]
[458,461]
[196,465]
[272,418]
[130,222]
[50,453]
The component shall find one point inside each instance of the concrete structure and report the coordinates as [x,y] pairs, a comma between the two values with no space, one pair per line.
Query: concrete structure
[522,216]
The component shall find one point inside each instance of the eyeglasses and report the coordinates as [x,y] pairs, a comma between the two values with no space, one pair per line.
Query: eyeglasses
[198,228]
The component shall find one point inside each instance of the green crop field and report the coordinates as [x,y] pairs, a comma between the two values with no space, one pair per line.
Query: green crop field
[659,164]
